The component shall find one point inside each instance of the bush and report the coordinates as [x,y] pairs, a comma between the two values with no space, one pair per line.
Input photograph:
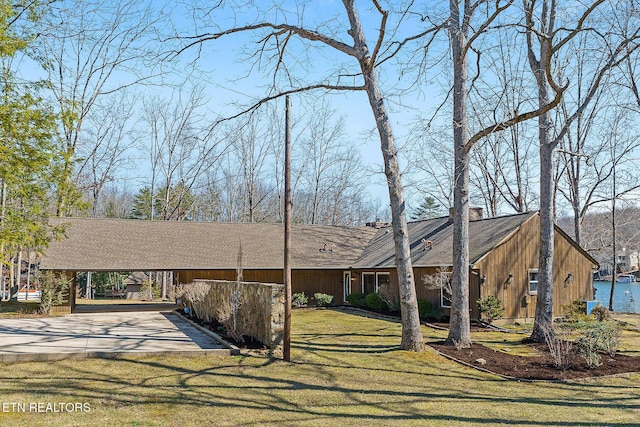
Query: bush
[600,313]
[560,346]
[600,336]
[322,300]
[588,346]
[576,311]
[394,307]
[490,308]
[299,299]
[53,289]
[357,300]
[425,309]
[375,301]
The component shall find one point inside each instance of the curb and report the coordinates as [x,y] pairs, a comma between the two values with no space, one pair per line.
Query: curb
[233,350]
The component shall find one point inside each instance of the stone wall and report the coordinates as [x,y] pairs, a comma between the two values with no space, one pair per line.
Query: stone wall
[253,309]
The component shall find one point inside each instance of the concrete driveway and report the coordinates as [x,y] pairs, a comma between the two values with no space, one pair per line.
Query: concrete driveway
[104,334]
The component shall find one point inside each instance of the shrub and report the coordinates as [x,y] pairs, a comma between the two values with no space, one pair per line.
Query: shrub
[490,308]
[425,308]
[588,346]
[600,336]
[322,300]
[575,311]
[390,297]
[53,289]
[560,347]
[299,299]
[227,315]
[610,336]
[375,301]
[394,307]
[600,313]
[357,300]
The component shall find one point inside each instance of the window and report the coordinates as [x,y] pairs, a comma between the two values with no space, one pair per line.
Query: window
[533,281]
[445,297]
[382,281]
[372,282]
[368,283]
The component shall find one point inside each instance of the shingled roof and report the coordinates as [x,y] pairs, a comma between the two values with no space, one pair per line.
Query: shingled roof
[484,235]
[130,245]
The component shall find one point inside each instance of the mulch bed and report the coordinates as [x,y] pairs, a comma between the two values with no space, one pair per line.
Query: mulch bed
[247,343]
[537,367]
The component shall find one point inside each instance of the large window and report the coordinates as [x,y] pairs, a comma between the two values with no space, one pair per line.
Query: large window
[372,282]
[368,283]
[533,281]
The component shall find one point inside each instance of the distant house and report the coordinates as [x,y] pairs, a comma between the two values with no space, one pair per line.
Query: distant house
[336,260]
[134,283]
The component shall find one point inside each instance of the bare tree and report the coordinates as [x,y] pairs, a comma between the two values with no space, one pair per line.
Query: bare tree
[463,32]
[275,38]
[181,149]
[92,49]
[108,139]
[548,38]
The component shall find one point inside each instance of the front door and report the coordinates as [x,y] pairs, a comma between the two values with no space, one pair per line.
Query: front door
[346,284]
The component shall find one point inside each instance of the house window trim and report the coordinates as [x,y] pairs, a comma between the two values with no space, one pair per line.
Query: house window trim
[346,284]
[529,271]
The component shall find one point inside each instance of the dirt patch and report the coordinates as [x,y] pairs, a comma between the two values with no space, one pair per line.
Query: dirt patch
[537,367]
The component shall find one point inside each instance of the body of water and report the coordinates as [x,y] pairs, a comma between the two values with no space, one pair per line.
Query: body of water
[626,298]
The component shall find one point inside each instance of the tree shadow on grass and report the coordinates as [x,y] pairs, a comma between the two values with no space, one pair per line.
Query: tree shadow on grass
[310,395]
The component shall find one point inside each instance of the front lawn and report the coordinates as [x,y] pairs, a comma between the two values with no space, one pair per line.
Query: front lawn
[346,370]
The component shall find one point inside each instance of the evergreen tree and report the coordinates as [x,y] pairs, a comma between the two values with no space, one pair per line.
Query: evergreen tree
[427,209]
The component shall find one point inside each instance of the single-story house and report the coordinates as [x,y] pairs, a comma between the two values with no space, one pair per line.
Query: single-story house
[336,260]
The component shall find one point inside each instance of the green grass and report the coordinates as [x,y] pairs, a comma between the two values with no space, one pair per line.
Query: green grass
[18,309]
[346,370]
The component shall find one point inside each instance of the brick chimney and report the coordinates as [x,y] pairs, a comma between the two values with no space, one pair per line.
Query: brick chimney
[378,224]
[474,214]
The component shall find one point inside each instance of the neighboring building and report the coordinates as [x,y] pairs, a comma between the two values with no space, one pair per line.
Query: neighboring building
[332,259]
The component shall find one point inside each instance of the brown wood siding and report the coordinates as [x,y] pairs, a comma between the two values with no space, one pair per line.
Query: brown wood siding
[307,281]
[517,256]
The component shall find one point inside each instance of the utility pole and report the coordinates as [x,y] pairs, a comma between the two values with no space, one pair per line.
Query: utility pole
[613,229]
[286,346]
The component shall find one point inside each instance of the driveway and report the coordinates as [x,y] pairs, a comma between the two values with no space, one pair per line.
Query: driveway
[104,334]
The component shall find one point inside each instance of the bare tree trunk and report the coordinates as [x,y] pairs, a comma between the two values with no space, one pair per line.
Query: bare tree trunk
[544,299]
[459,324]
[28,273]
[19,269]
[411,332]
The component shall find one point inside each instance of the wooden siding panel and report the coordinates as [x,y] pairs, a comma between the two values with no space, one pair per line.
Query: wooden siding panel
[517,256]
[307,281]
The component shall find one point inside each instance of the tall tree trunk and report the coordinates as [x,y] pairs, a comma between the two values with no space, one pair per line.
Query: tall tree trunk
[459,324]
[544,301]
[411,332]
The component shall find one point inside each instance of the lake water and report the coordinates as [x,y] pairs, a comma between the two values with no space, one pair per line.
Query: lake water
[626,298]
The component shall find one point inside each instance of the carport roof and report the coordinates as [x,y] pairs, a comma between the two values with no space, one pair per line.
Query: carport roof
[136,245]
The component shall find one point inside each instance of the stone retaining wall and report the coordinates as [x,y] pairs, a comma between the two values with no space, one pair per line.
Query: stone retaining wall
[255,309]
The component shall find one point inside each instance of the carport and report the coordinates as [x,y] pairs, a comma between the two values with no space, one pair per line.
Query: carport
[107,334]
